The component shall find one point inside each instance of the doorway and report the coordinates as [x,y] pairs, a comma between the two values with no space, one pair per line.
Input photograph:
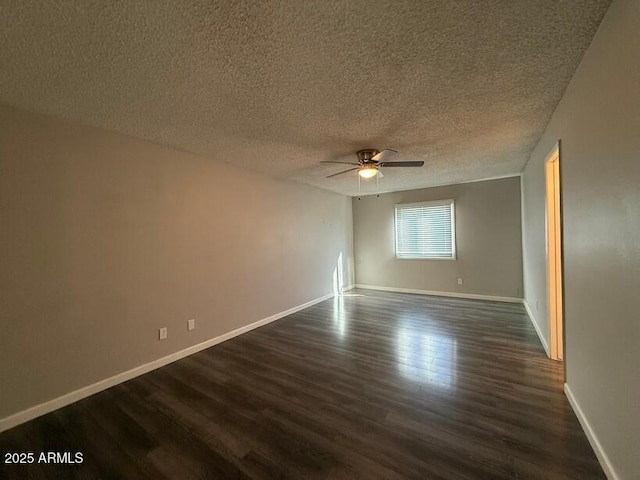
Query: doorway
[554,254]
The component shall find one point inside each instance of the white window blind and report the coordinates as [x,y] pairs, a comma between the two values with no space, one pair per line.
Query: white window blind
[425,230]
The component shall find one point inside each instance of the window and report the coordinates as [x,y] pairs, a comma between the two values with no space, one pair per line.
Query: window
[426,230]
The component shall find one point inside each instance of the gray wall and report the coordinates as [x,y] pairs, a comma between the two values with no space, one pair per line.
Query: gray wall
[598,123]
[105,238]
[488,231]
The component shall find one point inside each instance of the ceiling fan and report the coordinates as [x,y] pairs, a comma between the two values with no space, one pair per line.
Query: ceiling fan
[370,161]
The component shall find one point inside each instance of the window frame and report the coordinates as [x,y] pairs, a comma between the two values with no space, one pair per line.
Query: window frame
[451,203]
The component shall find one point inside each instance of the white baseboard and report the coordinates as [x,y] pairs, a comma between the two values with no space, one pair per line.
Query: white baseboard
[38,410]
[534,322]
[441,294]
[605,463]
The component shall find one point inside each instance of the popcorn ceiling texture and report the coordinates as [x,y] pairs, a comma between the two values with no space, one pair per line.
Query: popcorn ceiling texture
[466,86]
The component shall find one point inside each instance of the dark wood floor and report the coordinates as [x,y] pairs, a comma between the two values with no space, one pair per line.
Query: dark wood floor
[372,386]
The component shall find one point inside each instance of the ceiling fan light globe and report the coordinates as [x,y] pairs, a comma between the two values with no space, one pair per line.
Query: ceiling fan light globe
[368,172]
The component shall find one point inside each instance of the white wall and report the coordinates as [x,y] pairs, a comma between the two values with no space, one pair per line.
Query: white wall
[534,233]
[598,123]
[105,238]
[488,241]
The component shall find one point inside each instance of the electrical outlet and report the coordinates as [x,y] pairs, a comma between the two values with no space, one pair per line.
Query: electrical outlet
[536,305]
[162,333]
[460,281]
[191,324]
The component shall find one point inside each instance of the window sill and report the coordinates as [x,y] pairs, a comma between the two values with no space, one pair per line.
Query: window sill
[426,258]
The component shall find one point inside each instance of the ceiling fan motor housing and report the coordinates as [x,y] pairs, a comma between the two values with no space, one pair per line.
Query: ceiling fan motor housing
[365,156]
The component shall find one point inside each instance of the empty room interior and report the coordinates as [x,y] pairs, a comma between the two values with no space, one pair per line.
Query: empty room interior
[320,240]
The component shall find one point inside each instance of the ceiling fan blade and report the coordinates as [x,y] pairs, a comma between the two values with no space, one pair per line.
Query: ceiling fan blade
[386,153]
[342,163]
[417,163]
[344,171]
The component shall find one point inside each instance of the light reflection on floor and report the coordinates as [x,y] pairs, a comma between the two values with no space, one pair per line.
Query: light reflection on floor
[339,322]
[427,357]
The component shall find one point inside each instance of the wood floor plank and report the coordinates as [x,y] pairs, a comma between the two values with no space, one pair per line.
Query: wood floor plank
[367,385]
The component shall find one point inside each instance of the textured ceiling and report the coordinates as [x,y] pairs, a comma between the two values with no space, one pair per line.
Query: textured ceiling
[466,86]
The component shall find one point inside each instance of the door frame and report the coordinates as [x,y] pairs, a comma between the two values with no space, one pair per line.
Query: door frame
[555,277]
